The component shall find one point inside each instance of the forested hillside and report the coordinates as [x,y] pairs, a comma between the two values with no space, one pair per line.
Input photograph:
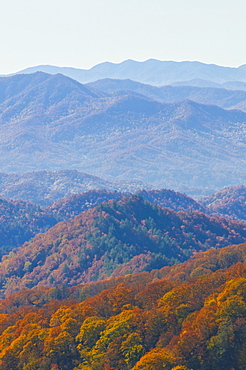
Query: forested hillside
[189,316]
[78,203]
[112,239]
[21,220]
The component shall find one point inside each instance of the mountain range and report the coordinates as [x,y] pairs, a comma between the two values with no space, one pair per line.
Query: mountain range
[51,122]
[106,271]
[154,72]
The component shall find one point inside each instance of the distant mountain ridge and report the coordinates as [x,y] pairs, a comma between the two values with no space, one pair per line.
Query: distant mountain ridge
[198,82]
[222,97]
[228,202]
[45,187]
[152,71]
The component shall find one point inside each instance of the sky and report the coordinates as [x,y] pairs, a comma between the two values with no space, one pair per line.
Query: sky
[83,33]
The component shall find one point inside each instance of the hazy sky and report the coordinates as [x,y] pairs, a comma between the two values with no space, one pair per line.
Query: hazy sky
[82,33]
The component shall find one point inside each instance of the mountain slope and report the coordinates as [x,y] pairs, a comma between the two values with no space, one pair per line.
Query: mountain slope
[115,238]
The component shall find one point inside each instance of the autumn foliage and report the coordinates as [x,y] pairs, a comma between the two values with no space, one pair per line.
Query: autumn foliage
[173,318]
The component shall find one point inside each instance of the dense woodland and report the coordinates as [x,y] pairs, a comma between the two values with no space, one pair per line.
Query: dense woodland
[189,316]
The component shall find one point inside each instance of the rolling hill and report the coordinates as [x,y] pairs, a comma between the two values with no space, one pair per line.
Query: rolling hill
[120,285]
